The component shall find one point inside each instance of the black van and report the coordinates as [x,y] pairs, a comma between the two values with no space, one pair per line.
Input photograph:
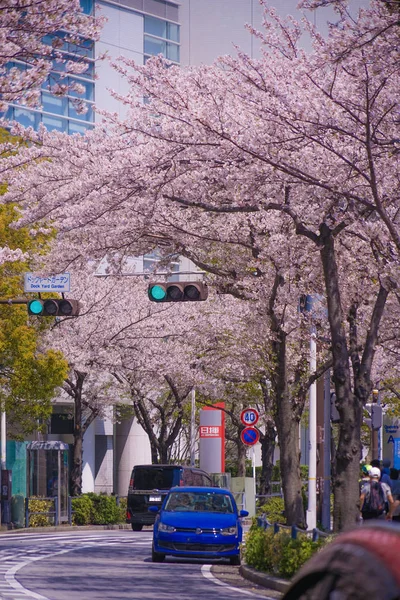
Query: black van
[150,484]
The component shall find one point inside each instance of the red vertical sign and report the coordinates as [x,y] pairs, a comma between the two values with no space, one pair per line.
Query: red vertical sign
[214,428]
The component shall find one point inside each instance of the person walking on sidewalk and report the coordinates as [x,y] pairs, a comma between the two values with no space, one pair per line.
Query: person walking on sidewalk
[376,497]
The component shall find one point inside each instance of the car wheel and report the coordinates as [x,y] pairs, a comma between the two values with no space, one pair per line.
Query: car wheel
[136,527]
[156,556]
[235,560]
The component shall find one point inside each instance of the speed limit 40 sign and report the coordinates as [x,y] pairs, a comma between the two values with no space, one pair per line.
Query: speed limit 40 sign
[249,416]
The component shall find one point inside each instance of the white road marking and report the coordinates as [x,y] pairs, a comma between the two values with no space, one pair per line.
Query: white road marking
[206,572]
[9,575]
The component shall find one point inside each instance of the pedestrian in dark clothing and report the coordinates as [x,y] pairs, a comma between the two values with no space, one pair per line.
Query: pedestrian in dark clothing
[384,476]
[376,498]
[386,466]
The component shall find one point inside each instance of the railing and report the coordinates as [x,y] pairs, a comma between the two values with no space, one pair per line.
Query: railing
[276,491]
[294,530]
[55,512]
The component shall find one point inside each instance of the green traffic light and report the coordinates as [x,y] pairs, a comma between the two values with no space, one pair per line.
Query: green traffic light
[35,307]
[157,293]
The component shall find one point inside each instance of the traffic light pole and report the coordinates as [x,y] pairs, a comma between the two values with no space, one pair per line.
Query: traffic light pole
[374,432]
[312,444]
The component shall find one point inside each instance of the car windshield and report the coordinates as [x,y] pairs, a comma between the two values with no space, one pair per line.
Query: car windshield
[198,501]
[153,478]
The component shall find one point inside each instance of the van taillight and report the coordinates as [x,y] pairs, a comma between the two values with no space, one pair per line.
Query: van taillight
[131,484]
[181,483]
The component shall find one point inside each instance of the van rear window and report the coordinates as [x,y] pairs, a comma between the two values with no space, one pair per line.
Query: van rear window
[152,478]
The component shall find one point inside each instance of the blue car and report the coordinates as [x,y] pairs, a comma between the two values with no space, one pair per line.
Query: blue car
[201,522]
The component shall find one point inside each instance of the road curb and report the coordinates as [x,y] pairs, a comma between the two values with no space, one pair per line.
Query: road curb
[17,530]
[263,579]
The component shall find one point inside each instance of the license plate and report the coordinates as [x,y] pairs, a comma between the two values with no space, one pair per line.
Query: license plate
[155,498]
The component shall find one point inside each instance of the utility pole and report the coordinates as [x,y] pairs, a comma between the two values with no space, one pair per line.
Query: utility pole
[193,428]
[374,432]
[326,494]
[312,457]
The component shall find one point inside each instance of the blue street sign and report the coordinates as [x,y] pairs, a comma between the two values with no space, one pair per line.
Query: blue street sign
[250,436]
[396,453]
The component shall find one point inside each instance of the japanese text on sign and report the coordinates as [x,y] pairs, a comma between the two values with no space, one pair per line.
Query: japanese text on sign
[210,431]
[51,283]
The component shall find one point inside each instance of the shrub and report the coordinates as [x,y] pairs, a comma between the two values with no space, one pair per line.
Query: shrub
[273,509]
[104,509]
[123,503]
[46,510]
[278,553]
[81,510]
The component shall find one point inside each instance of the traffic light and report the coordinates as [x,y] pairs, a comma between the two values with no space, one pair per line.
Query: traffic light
[54,307]
[375,412]
[178,291]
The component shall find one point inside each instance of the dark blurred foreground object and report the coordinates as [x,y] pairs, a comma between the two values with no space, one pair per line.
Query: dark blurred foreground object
[360,564]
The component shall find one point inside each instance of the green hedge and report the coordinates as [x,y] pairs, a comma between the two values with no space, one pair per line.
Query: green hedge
[97,509]
[279,554]
[41,512]
[273,508]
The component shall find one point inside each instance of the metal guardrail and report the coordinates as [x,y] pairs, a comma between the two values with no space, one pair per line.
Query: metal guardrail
[294,530]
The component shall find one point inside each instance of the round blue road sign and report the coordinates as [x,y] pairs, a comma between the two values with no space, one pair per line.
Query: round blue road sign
[250,436]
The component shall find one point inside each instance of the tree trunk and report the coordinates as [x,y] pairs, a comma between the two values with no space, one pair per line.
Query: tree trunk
[348,452]
[287,424]
[154,454]
[163,451]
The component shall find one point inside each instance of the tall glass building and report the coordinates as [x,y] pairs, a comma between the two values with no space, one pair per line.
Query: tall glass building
[134,29]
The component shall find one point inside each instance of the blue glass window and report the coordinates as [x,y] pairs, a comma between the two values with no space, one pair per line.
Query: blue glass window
[84,48]
[88,94]
[155,26]
[88,116]
[173,32]
[173,52]
[161,28]
[54,104]
[80,128]
[26,118]
[153,46]
[87,6]
[54,123]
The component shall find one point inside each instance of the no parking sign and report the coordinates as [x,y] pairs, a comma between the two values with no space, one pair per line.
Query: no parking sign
[250,436]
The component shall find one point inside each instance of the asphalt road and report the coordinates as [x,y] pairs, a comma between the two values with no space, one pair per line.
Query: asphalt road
[108,565]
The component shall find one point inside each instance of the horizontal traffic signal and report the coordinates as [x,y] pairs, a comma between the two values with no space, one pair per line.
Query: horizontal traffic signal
[54,307]
[178,291]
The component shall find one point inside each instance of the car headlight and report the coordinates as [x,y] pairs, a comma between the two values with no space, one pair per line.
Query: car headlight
[167,528]
[229,530]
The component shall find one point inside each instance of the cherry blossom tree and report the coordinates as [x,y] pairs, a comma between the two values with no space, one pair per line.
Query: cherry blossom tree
[33,38]
[277,176]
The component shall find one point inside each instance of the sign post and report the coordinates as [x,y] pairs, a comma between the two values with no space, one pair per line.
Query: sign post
[250,437]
